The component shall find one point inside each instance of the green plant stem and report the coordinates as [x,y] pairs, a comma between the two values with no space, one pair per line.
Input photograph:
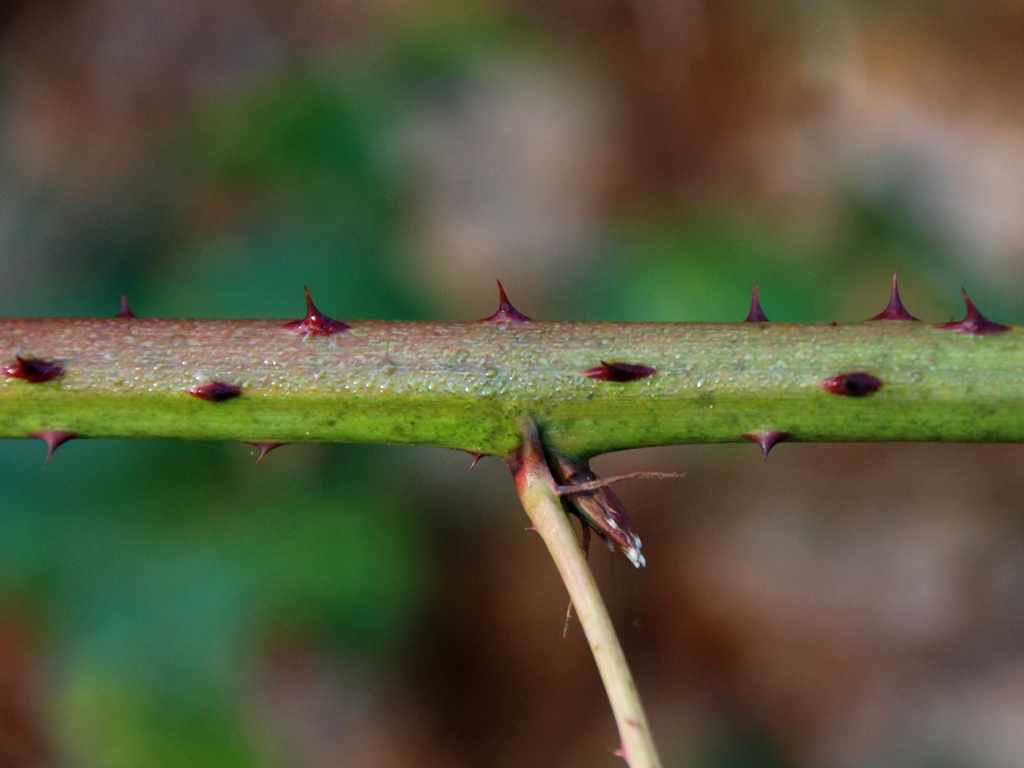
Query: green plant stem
[467,385]
[540,500]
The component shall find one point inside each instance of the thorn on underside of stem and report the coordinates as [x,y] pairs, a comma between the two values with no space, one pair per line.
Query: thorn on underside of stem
[54,439]
[265,446]
[767,440]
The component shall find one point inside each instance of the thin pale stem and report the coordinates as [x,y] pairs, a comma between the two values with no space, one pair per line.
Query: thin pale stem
[540,499]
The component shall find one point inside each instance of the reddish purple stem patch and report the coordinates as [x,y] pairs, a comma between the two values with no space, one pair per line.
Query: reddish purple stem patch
[506,312]
[895,310]
[33,371]
[215,391]
[315,323]
[975,324]
[619,372]
[857,384]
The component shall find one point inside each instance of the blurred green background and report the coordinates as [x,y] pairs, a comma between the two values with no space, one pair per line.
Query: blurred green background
[172,604]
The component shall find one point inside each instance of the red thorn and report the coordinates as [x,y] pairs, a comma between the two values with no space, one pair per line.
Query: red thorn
[215,391]
[315,323]
[895,310]
[506,312]
[767,440]
[266,446]
[975,324]
[620,372]
[857,384]
[54,439]
[32,370]
[756,315]
[126,311]
[476,459]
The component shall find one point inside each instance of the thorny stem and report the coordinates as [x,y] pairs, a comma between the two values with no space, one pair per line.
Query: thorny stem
[540,498]
[466,385]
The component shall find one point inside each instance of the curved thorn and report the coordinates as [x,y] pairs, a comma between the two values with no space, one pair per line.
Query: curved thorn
[975,323]
[265,446]
[54,439]
[506,312]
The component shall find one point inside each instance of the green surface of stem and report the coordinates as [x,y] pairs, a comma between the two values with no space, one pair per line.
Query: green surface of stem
[467,385]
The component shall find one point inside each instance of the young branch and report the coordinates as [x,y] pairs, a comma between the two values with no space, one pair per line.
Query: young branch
[540,498]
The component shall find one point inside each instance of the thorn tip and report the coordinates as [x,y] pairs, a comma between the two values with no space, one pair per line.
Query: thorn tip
[895,309]
[315,323]
[265,446]
[756,314]
[54,439]
[975,323]
[767,440]
[506,312]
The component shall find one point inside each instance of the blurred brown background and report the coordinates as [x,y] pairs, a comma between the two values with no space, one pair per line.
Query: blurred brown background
[170,604]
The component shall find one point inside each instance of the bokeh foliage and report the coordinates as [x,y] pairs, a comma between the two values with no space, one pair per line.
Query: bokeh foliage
[159,573]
